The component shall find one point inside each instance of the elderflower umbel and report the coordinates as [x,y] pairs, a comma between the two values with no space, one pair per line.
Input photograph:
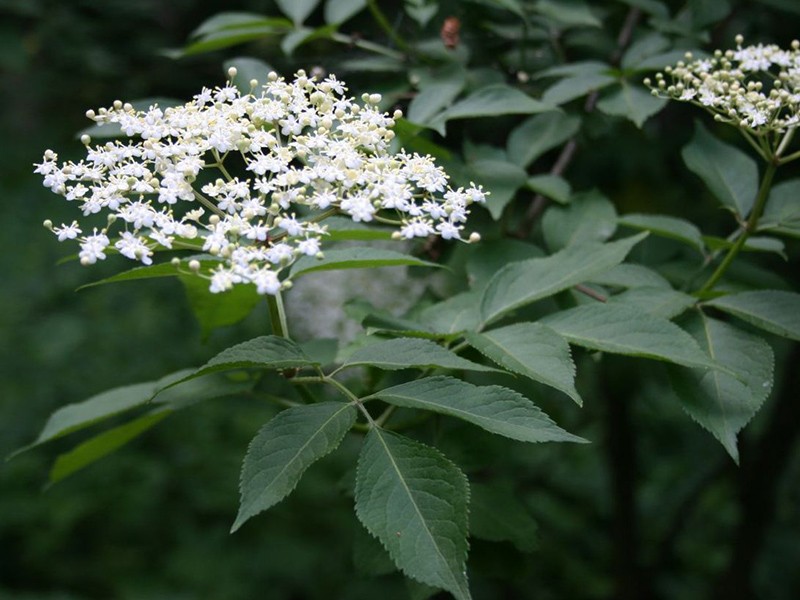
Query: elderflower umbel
[756,88]
[285,158]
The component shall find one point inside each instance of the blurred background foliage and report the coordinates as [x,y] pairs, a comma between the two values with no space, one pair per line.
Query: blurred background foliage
[153,521]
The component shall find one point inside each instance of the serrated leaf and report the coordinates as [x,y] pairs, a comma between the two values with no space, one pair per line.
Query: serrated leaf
[719,402]
[632,102]
[669,227]
[488,257]
[356,258]
[630,276]
[370,558]
[490,101]
[771,310]
[541,133]
[284,448]
[339,11]
[80,415]
[497,515]
[526,281]
[532,350]
[454,315]
[404,353]
[175,398]
[265,352]
[297,10]
[660,301]
[730,174]
[590,216]
[622,329]
[493,408]
[550,186]
[105,443]
[414,501]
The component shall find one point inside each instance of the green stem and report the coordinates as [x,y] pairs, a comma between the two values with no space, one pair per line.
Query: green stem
[748,228]
[353,398]
[790,158]
[387,27]
[366,45]
[208,203]
[277,315]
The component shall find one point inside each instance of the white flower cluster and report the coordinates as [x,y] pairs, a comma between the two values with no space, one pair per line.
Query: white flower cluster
[248,179]
[755,87]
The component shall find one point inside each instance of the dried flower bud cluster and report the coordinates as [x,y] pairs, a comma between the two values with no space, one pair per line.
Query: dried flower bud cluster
[249,178]
[756,88]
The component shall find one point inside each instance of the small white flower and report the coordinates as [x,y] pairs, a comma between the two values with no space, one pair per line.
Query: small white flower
[306,148]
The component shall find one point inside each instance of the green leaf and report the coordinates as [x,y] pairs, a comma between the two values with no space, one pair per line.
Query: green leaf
[782,212]
[339,11]
[494,408]
[497,515]
[730,174]
[501,179]
[218,310]
[490,101]
[414,500]
[235,20]
[166,269]
[622,329]
[284,448]
[488,257]
[80,415]
[569,13]
[660,301]
[172,399]
[437,90]
[344,228]
[404,353]
[216,40]
[771,310]
[579,79]
[532,350]
[356,258]
[630,276]
[589,217]
[541,133]
[454,315]
[523,282]
[669,227]
[265,352]
[719,402]
[297,10]
[550,186]
[632,102]
[103,444]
